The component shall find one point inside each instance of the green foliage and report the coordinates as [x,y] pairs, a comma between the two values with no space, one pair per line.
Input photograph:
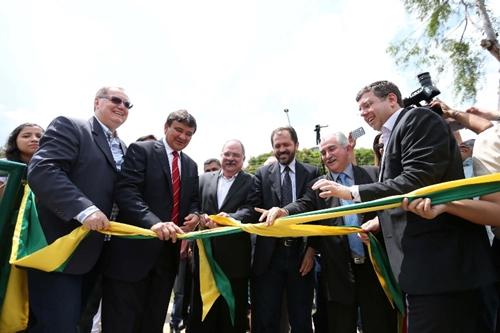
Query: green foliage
[364,156]
[256,162]
[2,153]
[449,42]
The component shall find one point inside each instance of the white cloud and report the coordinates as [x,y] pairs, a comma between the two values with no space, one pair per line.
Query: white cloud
[235,65]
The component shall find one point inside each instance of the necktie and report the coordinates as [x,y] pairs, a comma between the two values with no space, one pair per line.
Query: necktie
[176,187]
[286,188]
[355,243]
[116,149]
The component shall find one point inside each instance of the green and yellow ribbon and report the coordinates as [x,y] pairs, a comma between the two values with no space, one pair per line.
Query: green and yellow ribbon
[31,250]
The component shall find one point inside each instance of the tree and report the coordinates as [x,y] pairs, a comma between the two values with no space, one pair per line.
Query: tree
[312,156]
[364,156]
[456,34]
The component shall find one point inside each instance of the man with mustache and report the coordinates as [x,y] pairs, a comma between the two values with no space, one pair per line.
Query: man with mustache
[348,280]
[282,264]
[225,192]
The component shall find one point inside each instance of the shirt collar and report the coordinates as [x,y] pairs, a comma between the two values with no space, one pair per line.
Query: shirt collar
[221,175]
[349,171]
[291,166]
[389,126]
[168,148]
[109,133]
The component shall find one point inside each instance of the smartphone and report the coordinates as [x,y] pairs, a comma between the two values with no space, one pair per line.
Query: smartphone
[358,132]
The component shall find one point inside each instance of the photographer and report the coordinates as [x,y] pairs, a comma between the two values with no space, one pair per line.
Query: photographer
[440,264]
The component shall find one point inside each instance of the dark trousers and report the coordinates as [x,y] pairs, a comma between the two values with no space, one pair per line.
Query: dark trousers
[56,300]
[267,292]
[457,312]
[218,319]
[377,315]
[182,294]
[139,307]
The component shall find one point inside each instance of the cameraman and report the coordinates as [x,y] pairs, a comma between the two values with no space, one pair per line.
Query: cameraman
[439,264]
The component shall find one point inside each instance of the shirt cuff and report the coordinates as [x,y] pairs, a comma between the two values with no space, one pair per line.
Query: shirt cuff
[86,213]
[355,193]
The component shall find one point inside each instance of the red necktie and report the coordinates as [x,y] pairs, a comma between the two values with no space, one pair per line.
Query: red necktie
[176,187]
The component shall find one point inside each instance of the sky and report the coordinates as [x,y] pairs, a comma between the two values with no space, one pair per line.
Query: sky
[234,65]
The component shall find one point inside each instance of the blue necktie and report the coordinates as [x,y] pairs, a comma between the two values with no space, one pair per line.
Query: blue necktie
[355,243]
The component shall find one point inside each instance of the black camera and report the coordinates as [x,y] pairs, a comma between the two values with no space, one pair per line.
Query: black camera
[426,92]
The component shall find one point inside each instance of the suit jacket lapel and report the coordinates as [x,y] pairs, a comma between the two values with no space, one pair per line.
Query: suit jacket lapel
[101,140]
[161,154]
[234,187]
[388,145]
[212,190]
[331,201]
[275,180]
[300,178]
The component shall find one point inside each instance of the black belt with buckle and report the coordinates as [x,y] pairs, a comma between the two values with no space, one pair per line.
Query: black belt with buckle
[358,260]
[289,241]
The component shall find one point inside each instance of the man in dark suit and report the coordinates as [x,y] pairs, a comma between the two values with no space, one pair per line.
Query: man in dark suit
[73,174]
[440,264]
[157,190]
[282,264]
[226,192]
[347,278]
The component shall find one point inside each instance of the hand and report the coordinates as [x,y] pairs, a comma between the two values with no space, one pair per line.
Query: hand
[271,215]
[167,230]
[307,261]
[447,111]
[423,208]
[96,221]
[330,188]
[210,224]
[191,222]
[351,141]
[372,226]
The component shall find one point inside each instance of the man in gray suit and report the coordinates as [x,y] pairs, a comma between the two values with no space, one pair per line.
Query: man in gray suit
[225,192]
[73,174]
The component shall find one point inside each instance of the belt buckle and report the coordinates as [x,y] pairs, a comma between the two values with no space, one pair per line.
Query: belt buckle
[288,242]
[358,260]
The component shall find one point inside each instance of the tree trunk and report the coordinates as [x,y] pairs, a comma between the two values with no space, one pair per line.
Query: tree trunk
[491,41]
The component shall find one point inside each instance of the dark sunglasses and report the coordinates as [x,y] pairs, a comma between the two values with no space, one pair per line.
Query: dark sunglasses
[378,146]
[117,100]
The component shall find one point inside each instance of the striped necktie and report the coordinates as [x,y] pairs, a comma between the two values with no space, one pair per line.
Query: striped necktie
[176,187]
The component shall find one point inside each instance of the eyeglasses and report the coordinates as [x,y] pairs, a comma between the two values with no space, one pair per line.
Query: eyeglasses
[117,101]
[378,146]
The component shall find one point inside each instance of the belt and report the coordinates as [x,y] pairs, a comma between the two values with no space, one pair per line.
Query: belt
[358,260]
[290,241]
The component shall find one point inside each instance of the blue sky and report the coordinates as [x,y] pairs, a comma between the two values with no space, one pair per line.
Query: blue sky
[235,65]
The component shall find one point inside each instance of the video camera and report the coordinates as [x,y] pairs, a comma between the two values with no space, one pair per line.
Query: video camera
[426,93]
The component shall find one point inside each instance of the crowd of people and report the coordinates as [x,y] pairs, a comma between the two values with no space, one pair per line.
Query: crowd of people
[442,256]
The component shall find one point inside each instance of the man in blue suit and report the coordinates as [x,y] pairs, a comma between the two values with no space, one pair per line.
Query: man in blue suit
[72,175]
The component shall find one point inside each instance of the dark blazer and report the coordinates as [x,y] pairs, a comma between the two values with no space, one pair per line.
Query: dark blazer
[336,271]
[144,197]
[267,194]
[72,170]
[232,252]
[427,256]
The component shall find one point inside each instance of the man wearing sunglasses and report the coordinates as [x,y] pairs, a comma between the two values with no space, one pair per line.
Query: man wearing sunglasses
[72,175]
